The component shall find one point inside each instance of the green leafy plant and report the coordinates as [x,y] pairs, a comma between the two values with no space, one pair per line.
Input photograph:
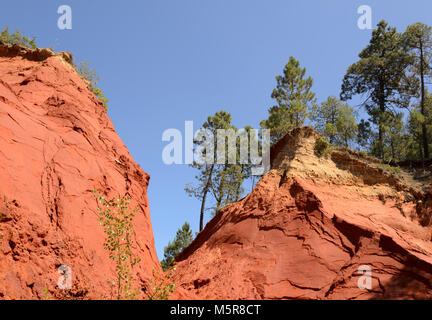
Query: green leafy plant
[90,75]
[161,285]
[117,220]
[17,38]
[322,147]
[46,295]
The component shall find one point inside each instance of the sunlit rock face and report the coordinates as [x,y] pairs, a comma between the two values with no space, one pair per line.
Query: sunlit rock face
[336,227]
[56,146]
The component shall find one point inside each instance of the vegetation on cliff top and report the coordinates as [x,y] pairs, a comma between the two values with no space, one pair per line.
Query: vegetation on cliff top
[17,38]
[82,68]
[392,74]
[90,74]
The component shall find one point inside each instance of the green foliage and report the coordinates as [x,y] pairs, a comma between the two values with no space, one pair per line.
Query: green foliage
[381,74]
[418,42]
[117,220]
[85,71]
[17,38]
[161,285]
[221,181]
[322,147]
[293,96]
[335,120]
[182,239]
[394,137]
[416,121]
[390,169]
[98,93]
[46,295]
[364,134]
[90,74]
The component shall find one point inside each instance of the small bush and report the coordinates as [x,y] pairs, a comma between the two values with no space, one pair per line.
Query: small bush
[161,285]
[90,74]
[390,169]
[46,294]
[322,147]
[17,38]
[98,93]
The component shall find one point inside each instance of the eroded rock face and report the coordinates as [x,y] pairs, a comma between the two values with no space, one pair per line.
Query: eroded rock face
[307,228]
[56,146]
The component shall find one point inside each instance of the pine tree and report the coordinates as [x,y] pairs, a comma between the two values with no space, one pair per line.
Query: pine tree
[380,73]
[293,96]
[395,146]
[364,135]
[182,240]
[416,120]
[335,120]
[223,181]
[418,41]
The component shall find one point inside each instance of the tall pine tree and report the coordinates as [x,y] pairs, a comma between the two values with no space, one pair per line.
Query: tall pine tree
[182,239]
[418,41]
[293,96]
[335,120]
[380,74]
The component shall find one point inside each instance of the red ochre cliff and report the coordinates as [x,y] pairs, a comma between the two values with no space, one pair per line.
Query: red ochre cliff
[302,233]
[56,146]
[307,227]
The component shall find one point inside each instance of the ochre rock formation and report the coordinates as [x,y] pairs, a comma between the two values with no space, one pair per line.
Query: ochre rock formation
[302,233]
[56,146]
[308,226]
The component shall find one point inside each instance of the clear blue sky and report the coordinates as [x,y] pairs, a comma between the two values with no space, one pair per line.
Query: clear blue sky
[164,62]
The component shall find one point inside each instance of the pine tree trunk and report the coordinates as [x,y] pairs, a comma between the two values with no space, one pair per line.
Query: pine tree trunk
[422,103]
[206,189]
[381,121]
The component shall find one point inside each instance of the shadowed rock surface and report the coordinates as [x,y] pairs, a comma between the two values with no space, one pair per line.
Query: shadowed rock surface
[307,227]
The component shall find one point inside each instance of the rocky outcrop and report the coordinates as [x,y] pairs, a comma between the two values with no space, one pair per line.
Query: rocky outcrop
[56,146]
[309,228]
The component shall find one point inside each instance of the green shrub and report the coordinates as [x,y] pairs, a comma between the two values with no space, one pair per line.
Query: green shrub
[322,147]
[117,221]
[85,71]
[90,74]
[17,38]
[46,295]
[390,169]
[98,93]
[161,285]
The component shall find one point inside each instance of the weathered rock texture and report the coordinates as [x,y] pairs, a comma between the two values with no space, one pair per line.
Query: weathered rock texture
[307,227]
[56,146]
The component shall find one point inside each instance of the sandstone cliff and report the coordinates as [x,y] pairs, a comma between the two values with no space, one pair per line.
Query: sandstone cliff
[307,227]
[56,146]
